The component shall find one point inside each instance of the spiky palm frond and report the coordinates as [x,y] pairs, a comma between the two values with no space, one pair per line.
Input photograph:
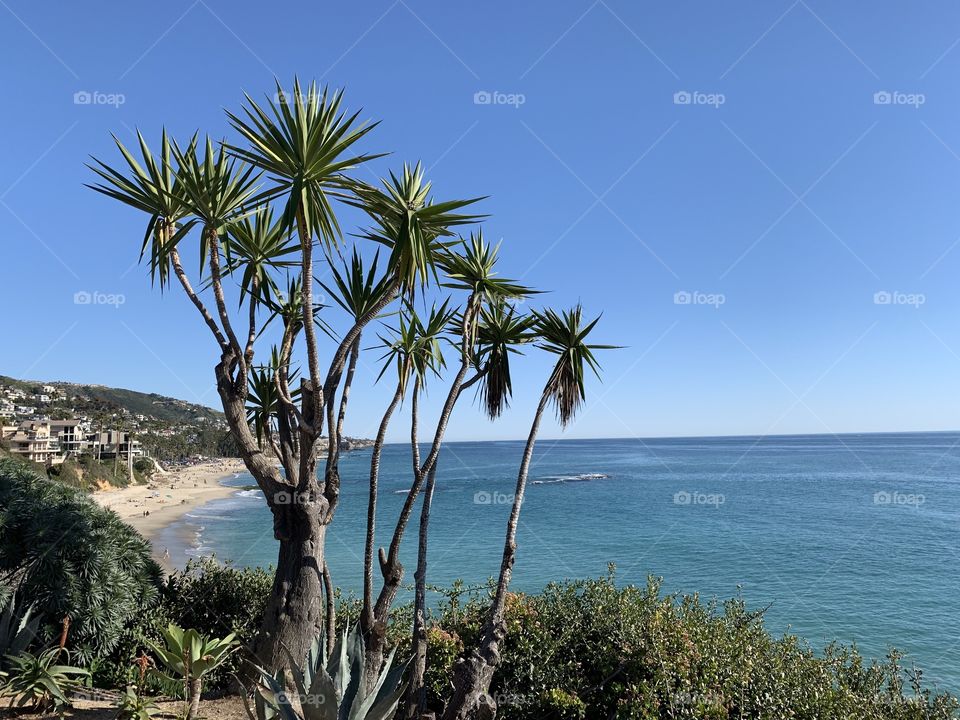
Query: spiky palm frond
[471,267]
[216,189]
[410,223]
[154,188]
[563,334]
[263,399]
[256,246]
[303,141]
[355,290]
[287,305]
[416,346]
[500,330]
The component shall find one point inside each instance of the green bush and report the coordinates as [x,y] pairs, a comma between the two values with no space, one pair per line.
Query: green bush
[72,558]
[590,649]
[218,600]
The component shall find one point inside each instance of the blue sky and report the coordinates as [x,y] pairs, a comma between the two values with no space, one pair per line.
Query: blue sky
[792,170]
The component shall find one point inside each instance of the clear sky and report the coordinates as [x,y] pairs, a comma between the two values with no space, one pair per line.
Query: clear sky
[791,169]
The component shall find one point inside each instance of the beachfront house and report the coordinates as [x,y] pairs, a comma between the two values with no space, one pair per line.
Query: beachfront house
[110,442]
[31,440]
[71,435]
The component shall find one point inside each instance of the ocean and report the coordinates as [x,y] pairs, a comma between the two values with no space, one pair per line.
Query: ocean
[853,538]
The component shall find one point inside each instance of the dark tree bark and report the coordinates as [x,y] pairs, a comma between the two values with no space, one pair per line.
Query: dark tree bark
[295,613]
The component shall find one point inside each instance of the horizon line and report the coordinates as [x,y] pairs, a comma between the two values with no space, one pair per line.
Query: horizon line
[697,437]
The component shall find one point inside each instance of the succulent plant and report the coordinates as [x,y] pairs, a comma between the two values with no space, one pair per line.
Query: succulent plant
[329,687]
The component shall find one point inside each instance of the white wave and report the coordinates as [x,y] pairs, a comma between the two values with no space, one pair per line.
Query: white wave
[557,479]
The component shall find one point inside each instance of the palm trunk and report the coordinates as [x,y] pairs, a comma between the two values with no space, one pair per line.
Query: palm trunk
[374,632]
[295,612]
[471,699]
[416,693]
[193,699]
[390,566]
[331,627]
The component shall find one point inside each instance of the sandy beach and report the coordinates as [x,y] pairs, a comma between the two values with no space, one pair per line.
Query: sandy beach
[169,496]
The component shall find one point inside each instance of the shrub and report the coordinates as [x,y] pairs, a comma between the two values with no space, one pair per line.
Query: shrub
[217,600]
[74,559]
[590,649]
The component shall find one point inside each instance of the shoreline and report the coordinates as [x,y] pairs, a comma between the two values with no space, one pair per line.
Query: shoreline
[167,497]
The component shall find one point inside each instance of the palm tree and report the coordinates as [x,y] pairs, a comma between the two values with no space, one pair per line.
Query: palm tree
[414,350]
[564,335]
[498,333]
[466,265]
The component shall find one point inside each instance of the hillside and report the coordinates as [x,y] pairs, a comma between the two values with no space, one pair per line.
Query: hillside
[160,407]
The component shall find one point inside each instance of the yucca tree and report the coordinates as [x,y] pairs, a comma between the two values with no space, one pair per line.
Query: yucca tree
[563,334]
[462,265]
[496,335]
[208,189]
[413,350]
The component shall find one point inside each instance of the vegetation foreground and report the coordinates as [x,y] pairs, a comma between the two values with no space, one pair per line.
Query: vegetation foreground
[586,649]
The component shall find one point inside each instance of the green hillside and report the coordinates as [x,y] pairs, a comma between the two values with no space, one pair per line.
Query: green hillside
[91,397]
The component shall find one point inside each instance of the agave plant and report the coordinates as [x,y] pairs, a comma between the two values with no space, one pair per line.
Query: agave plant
[329,686]
[188,656]
[39,682]
[17,629]
[134,705]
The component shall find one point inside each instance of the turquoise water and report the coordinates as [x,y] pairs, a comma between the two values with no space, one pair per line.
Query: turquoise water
[850,537]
